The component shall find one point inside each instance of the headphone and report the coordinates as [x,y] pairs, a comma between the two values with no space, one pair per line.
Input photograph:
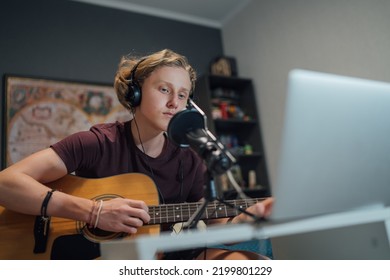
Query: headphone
[134,93]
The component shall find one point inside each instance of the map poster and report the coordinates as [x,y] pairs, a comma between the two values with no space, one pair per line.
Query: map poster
[39,112]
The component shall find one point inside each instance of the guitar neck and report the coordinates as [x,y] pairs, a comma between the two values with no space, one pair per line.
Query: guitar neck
[175,213]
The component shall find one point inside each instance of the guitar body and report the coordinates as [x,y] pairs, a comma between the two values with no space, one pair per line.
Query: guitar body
[17,230]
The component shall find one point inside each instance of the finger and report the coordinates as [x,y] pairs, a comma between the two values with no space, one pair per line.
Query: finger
[128,229]
[268,203]
[134,222]
[141,214]
[138,204]
[257,210]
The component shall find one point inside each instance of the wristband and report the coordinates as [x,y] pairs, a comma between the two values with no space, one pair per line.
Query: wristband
[45,203]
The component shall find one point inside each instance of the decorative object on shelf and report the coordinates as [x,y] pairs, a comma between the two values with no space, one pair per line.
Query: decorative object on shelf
[224,182]
[225,93]
[252,179]
[248,150]
[224,66]
[224,110]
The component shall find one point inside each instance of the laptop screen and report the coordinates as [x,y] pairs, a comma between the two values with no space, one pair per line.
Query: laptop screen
[335,152]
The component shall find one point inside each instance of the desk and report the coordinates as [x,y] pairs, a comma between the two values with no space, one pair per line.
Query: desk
[145,247]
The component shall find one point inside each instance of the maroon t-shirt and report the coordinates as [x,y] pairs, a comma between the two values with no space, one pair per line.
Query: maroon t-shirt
[109,149]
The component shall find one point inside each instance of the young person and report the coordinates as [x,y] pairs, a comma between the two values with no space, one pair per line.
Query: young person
[153,88]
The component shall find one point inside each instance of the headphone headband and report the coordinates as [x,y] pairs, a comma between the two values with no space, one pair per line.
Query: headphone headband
[132,76]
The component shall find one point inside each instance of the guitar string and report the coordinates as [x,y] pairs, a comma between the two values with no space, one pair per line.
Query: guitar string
[163,209]
[165,212]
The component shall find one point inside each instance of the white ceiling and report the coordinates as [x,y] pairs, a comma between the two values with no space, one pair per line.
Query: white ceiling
[211,13]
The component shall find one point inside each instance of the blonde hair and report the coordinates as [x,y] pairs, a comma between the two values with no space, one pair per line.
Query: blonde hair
[145,67]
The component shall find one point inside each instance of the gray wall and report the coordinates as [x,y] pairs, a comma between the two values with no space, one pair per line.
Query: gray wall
[347,37]
[69,40]
[270,37]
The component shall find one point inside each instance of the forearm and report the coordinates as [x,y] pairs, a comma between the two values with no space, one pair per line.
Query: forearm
[22,193]
[68,206]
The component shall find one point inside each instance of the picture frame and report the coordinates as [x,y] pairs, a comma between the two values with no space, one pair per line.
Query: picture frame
[38,112]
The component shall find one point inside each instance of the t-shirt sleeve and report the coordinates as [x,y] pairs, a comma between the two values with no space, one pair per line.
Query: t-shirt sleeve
[78,151]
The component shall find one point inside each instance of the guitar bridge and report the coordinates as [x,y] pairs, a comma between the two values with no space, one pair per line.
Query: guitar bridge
[41,233]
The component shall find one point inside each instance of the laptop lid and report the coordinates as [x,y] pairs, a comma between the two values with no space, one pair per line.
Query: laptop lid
[335,151]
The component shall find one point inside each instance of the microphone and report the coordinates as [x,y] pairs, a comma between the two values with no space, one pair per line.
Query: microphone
[188,128]
[184,122]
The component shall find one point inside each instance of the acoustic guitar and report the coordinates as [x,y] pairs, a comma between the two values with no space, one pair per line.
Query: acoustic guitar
[17,230]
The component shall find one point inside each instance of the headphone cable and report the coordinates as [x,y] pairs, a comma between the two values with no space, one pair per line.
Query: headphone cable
[147,159]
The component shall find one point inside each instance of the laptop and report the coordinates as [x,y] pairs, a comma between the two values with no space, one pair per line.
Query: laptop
[334,157]
[335,151]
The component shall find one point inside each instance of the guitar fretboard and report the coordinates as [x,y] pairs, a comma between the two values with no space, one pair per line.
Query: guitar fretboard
[174,213]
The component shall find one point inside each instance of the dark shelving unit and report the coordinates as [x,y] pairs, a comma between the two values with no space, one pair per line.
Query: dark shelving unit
[232,116]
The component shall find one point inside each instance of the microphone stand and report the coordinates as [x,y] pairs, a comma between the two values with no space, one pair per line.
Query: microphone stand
[211,194]
[189,128]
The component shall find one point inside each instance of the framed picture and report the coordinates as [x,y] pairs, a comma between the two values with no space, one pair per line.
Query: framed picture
[38,112]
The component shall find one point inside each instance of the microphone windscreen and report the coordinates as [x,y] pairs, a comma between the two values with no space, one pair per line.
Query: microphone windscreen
[182,123]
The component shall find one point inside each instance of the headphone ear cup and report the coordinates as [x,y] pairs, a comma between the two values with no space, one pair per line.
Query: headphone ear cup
[134,95]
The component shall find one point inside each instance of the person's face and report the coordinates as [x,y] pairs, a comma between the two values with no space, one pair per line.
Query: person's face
[164,93]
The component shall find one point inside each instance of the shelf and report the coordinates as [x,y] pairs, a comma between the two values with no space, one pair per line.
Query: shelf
[224,124]
[234,121]
[257,192]
[241,129]
[253,155]
[228,82]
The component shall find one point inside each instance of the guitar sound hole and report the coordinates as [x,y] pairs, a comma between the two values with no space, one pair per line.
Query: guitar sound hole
[97,234]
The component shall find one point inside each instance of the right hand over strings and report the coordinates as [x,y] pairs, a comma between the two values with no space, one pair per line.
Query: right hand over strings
[120,215]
